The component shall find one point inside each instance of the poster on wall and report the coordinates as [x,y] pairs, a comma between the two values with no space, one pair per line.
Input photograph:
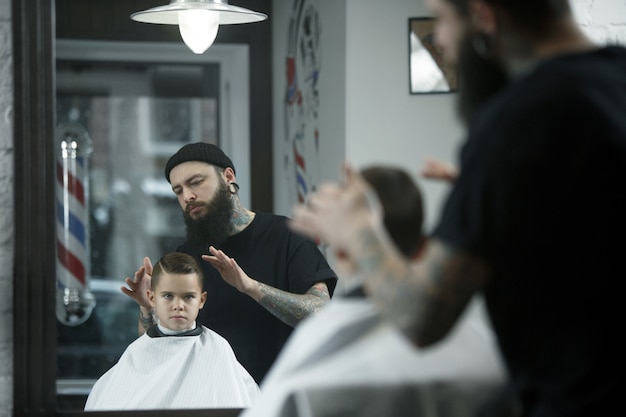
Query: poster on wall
[303,65]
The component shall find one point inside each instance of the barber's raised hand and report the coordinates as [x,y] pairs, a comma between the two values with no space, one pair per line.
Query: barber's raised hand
[138,287]
[439,170]
[230,271]
[340,215]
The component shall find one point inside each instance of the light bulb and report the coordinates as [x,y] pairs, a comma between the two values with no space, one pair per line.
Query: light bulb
[198,28]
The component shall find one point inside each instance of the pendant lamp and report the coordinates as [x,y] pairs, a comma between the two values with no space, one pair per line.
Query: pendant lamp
[198,20]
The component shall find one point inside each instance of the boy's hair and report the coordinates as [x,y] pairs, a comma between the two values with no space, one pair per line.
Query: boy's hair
[176,263]
[401,202]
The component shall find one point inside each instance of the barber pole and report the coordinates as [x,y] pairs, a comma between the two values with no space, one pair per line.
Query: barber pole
[74,299]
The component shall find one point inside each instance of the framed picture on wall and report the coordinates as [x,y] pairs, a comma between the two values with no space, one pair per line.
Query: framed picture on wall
[167,123]
[428,72]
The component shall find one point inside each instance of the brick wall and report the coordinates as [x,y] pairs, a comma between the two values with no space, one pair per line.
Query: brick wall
[604,20]
[6,211]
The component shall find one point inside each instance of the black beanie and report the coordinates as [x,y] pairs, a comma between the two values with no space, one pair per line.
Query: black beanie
[199,151]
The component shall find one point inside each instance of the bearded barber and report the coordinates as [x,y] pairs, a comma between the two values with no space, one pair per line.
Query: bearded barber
[261,277]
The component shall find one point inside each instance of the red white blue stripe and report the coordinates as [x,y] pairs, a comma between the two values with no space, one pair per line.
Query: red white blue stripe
[72,222]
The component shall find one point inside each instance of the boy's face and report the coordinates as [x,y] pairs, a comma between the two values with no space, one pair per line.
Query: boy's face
[177,300]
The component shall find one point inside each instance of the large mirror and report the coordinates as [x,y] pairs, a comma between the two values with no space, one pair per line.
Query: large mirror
[136,103]
[84,62]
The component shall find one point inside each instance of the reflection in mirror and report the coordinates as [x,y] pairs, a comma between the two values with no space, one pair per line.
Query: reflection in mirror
[428,72]
[138,103]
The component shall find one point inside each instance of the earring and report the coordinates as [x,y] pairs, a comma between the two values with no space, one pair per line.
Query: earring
[480,44]
[233,188]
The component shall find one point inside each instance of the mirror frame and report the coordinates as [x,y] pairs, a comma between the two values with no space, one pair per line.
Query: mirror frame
[34,329]
[33,291]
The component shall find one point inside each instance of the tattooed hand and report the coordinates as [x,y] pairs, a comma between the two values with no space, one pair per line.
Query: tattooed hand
[340,215]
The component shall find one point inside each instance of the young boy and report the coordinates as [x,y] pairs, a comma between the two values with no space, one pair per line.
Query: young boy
[175,364]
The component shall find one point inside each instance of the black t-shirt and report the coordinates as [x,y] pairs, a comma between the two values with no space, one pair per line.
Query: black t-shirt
[269,252]
[541,198]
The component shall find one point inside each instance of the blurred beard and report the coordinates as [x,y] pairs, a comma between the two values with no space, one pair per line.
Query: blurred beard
[480,78]
[215,226]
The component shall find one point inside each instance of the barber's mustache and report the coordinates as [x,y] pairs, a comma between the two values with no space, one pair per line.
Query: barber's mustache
[191,206]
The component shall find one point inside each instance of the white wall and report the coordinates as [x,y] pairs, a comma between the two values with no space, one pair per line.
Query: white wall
[366,114]
[385,124]
[330,119]
[602,20]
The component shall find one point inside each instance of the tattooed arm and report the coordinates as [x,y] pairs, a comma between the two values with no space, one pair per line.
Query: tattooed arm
[423,299]
[288,307]
[137,289]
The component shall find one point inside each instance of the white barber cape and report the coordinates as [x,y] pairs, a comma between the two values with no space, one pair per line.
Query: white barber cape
[346,361]
[175,372]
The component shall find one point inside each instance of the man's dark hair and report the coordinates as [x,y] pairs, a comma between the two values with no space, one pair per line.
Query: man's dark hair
[536,15]
[532,17]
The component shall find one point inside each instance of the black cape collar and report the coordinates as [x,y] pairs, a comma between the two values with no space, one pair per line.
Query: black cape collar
[155,332]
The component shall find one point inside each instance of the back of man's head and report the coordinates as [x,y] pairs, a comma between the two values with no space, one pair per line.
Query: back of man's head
[402,205]
[533,17]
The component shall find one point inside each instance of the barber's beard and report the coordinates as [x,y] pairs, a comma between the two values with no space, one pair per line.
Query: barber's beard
[480,78]
[215,226]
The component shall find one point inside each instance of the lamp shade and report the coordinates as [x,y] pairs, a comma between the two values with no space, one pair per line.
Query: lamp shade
[169,15]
